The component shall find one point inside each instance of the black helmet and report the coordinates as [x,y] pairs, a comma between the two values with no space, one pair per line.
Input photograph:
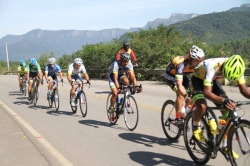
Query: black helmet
[125,56]
[126,44]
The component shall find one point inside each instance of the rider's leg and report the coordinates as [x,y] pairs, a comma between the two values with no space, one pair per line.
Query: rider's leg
[72,92]
[20,83]
[178,104]
[201,105]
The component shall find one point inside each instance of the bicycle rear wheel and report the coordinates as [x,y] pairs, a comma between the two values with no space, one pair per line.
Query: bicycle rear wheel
[73,108]
[198,151]
[131,112]
[83,103]
[36,95]
[169,126]
[55,99]
[238,142]
[108,111]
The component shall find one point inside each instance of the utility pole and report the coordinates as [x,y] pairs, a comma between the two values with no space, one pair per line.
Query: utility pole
[7,56]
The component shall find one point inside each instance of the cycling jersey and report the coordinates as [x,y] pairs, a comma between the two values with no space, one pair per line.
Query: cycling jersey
[52,71]
[116,67]
[73,71]
[35,69]
[129,51]
[177,70]
[210,70]
[22,71]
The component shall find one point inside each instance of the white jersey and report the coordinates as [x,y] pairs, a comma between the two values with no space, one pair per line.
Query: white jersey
[210,69]
[73,71]
[116,67]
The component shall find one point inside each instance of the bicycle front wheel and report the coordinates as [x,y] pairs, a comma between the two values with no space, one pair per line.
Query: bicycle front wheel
[36,95]
[25,90]
[198,151]
[83,104]
[55,99]
[131,112]
[108,103]
[169,126]
[238,143]
[73,108]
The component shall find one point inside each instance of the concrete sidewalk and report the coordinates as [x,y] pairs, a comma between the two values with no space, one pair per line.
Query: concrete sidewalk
[15,148]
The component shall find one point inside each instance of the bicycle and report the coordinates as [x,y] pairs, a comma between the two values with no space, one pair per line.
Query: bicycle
[34,95]
[172,127]
[24,86]
[54,98]
[129,104]
[211,146]
[81,98]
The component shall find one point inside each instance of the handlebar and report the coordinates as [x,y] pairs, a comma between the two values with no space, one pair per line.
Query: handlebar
[238,103]
[131,86]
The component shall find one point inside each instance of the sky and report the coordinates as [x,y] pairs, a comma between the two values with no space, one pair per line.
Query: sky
[17,17]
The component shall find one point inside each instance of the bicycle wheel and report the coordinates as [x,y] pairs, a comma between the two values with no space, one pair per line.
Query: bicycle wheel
[169,126]
[131,112]
[108,112]
[50,101]
[83,103]
[36,96]
[238,142]
[25,90]
[55,99]
[73,108]
[198,151]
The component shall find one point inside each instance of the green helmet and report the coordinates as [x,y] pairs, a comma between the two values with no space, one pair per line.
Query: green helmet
[234,67]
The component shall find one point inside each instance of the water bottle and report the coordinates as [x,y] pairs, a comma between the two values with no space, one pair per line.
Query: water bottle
[118,100]
[185,111]
[54,86]
[212,125]
[221,125]
[76,93]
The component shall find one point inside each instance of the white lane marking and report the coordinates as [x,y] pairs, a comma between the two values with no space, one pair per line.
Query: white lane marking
[43,141]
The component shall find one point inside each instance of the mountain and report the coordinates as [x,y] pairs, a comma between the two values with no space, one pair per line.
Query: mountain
[35,42]
[218,27]
[174,18]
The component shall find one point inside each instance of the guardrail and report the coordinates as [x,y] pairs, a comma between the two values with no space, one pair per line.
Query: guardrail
[100,73]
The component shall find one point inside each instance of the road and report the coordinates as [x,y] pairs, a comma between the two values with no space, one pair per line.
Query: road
[69,138]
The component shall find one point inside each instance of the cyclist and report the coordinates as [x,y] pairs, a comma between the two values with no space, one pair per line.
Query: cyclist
[22,72]
[126,48]
[50,75]
[117,76]
[74,76]
[206,86]
[177,76]
[34,71]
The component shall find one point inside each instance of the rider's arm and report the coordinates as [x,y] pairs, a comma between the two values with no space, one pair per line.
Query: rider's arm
[118,55]
[180,87]
[86,76]
[61,76]
[132,76]
[46,72]
[28,75]
[133,56]
[243,88]
[41,74]
[207,90]
[69,77]
[115,75]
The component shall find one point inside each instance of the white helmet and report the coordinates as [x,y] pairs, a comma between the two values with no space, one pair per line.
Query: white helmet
[78,61]
[196,53]
[52,60]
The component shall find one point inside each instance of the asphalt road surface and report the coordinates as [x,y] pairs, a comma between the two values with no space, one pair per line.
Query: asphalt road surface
[64,138]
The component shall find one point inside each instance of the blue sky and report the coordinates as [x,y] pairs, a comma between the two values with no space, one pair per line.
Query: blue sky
[18,17]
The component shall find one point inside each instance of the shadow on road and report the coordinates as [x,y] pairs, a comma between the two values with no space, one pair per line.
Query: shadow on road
[37,107]
[58,113]
[150,158]
[105,92]
[148,140]
[96,124]
[21,102]
[15,93]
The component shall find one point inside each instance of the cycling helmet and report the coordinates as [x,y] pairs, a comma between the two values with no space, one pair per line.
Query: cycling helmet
[33,61]
[196,53]
[78,61]
[22,63]
[52,60]
[234,67]
[125,56]
[126,44]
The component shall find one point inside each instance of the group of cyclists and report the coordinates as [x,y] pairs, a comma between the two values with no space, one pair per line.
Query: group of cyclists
[204,81]
[205,74]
